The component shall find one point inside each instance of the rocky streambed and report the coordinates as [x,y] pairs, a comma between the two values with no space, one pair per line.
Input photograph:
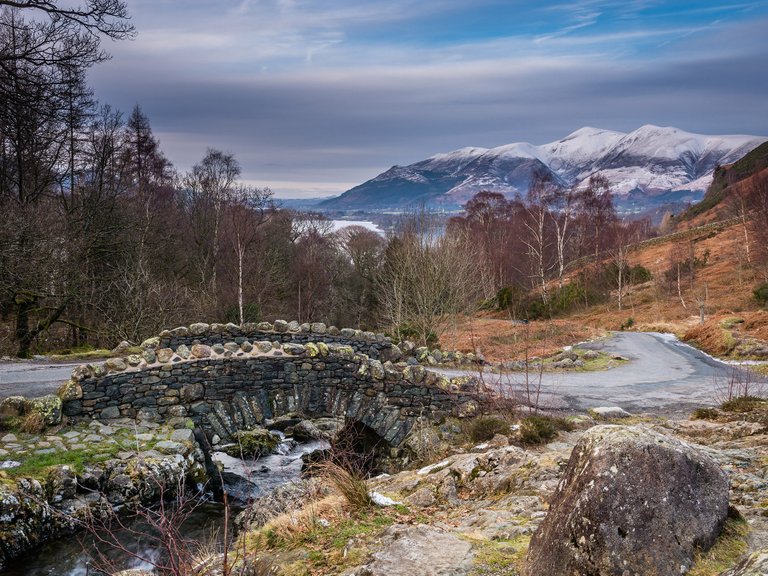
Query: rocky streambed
[469,509]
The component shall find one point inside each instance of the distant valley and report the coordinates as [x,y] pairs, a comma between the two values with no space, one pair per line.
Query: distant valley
[648,168]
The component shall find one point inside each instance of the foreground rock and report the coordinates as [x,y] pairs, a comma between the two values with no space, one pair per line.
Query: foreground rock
[632,501]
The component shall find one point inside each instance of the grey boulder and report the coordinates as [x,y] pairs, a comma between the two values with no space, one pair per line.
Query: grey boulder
[631,502]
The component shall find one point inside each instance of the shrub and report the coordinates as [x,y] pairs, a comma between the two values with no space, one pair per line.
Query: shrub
[761,294]
[628,323]
[705,414]
[639,274]
[511,298]
[537,430]
[251,313]
[406,331]
[742,404]
[484,428]
[562,300]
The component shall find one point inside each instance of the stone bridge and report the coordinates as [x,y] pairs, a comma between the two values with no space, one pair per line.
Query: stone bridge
[227,378]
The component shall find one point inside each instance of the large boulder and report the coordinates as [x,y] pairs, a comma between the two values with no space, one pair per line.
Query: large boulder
[631,502]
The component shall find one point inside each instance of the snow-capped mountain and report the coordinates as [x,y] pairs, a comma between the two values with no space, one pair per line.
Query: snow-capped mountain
[647,167]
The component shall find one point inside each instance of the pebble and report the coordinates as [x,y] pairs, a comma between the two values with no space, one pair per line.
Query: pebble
[9,438]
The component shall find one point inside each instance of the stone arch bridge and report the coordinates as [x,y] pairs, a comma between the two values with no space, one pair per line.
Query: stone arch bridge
[227,378]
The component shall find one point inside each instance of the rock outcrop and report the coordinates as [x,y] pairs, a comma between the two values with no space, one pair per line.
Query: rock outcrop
[631,502]
[419,551]
[755,565]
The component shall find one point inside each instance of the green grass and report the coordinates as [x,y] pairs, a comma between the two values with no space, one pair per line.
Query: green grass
[730,322]
[602,362]
[761,369]
[37,465]
[326,546]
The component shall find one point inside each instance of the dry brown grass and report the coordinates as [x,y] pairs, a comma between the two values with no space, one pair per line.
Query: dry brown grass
[293,525]
[711,338]
[32,423]
[498,339]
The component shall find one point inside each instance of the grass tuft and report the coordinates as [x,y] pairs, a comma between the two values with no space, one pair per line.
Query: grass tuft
[705,414]
[32,423]
[726,552]
[351,485]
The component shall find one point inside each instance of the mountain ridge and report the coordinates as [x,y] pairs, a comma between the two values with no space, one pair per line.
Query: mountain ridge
[645,167]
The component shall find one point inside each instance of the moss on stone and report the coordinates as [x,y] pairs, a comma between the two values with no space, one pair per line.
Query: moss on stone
[252,443]
[500,557]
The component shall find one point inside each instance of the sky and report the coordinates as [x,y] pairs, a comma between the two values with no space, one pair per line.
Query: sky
[316,96]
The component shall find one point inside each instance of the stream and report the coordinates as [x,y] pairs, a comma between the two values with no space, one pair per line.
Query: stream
[243,480]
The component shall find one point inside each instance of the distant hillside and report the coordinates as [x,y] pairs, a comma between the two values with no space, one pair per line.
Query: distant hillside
[726,176]
[647,168]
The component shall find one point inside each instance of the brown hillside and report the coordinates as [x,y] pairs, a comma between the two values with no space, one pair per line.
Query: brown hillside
[723,285]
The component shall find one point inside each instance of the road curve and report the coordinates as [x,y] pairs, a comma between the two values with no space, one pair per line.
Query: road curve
[664,375]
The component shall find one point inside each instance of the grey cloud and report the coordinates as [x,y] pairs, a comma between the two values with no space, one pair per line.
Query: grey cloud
[311,128]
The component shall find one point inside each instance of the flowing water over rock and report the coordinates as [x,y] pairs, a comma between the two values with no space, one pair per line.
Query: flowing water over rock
[244,480]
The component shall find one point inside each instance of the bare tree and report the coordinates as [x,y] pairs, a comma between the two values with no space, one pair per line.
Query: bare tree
[364,249]
[427,278]
[562,214]
[210,185]
[538,238]
[107,17]
[595,205]
[249,209]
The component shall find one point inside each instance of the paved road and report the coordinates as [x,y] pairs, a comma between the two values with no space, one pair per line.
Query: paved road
[33,378]
[663,375]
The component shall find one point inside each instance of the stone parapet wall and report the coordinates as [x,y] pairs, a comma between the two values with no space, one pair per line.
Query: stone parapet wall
[373,345]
